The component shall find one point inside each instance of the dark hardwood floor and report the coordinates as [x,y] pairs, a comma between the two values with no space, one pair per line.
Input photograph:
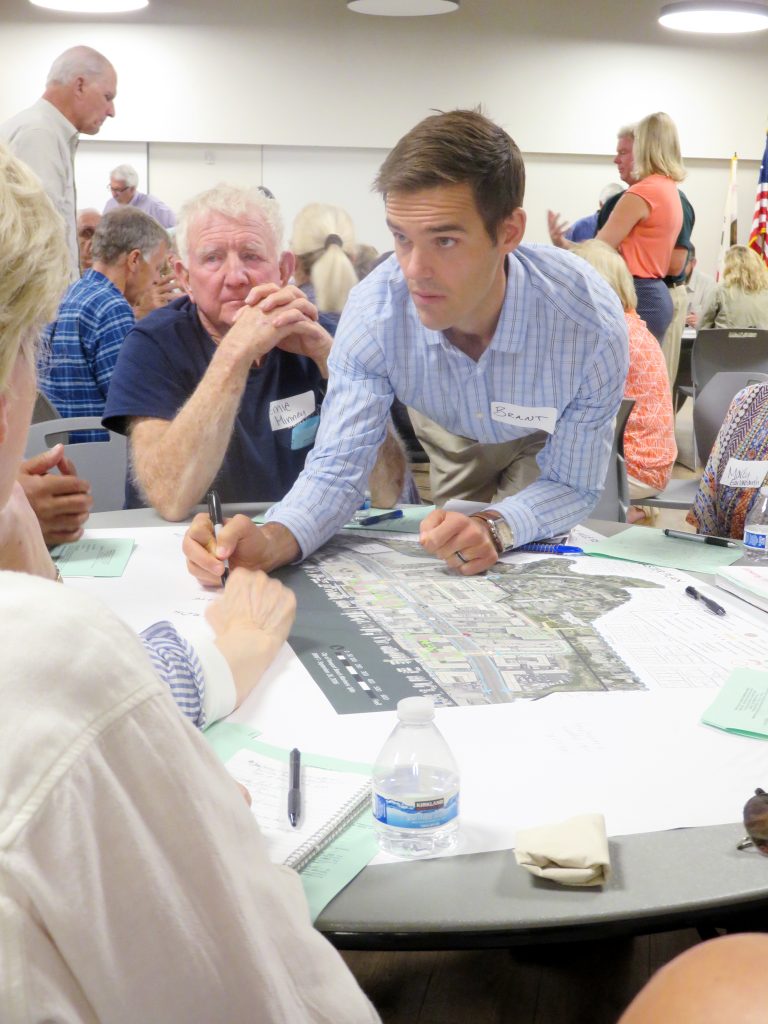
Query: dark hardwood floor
[583,983]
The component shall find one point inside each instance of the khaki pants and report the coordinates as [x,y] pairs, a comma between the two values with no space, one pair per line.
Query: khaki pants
[460,467]
[670,347]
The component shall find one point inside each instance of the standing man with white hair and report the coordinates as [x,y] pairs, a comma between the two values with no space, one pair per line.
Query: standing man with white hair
[79,96]
[123,184]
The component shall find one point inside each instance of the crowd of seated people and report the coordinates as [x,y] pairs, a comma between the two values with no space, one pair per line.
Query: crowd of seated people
[223,385]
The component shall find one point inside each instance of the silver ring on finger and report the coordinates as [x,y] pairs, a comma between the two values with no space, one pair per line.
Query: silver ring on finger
[461,557]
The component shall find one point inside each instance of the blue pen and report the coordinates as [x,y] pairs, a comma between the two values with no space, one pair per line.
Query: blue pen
[372,520]
[551,549]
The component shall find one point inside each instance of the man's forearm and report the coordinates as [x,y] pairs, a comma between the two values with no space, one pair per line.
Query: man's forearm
[175,463]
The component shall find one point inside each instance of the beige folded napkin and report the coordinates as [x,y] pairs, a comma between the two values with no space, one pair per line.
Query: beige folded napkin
[573,852]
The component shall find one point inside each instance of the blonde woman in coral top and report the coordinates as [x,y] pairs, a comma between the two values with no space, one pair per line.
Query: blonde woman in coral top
[649,436]
[646,221]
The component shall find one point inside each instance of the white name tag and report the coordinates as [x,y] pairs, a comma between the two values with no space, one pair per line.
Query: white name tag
[535,417]
[744,473]
[287,412]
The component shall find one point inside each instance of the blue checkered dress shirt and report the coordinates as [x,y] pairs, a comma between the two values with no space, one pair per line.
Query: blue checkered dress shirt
[560,342]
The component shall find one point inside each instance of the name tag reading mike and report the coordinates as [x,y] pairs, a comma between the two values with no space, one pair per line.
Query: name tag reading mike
[542,417]
[287,412]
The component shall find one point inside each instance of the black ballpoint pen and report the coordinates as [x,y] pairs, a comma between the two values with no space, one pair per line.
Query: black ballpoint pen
[712,605]
[294,791]
[702,538]
[214,513]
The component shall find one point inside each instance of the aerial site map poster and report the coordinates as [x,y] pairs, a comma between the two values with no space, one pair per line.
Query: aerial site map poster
[379,620]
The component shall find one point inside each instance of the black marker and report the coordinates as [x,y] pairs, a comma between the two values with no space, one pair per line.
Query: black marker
[214,513]
[712,605]
[294,791]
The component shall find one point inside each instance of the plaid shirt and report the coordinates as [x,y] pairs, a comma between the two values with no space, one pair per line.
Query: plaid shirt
[80,348]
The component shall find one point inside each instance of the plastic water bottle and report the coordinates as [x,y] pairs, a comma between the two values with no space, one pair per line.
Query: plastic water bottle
[756,529]
[416,785]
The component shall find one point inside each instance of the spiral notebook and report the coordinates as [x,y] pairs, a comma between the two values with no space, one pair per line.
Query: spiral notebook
[332,801]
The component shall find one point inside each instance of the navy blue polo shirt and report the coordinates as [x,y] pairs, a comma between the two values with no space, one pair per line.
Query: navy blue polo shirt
[161,363]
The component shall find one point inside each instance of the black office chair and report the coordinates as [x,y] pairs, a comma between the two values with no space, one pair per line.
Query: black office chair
[719,350]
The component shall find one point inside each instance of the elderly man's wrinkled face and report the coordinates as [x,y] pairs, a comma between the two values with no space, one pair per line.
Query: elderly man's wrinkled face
[94,101]
[227,258]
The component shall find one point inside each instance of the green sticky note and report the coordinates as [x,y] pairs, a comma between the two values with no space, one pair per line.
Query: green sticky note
[96,557]
[227,738]
[337,865]
[741,705]
[409,522]
[348,853]
[644,544]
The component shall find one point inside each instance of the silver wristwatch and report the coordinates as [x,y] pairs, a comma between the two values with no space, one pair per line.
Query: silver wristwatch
[499,529]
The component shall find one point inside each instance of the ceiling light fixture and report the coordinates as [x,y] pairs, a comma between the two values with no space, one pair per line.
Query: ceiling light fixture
[403,8]
[717,17]
[91,6]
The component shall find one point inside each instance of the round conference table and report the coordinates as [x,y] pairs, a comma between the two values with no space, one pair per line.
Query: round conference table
[691,877]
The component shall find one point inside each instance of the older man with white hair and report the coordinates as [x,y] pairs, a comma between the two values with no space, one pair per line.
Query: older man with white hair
[215,392]
[79,96]
[123,184]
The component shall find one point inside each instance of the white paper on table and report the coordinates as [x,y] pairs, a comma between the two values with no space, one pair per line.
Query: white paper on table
[640,758]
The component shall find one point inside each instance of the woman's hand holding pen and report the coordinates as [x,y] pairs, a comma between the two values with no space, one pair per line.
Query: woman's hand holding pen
[251,620]
[241,542]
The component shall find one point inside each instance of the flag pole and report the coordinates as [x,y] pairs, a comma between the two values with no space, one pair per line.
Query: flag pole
[729,229]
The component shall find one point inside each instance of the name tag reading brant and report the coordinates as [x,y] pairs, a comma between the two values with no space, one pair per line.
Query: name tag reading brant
[543,417]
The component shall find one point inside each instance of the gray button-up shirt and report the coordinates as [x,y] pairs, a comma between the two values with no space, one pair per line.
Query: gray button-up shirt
[46,141]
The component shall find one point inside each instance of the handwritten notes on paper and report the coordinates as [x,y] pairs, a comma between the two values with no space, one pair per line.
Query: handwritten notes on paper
[741,706]
[105,556]
[642,544]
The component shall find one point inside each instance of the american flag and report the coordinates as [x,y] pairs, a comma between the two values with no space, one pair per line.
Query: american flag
[757,236]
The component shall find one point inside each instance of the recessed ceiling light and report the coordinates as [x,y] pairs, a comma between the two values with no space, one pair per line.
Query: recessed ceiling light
[717,18]
[403,8]
[91,6]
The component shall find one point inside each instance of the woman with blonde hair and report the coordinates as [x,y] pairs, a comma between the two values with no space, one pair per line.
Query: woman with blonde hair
[106,794]
[645,223]
[649,436]
[323,242]
[741,300]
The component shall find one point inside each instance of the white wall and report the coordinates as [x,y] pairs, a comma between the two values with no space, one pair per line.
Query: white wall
[307,97]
